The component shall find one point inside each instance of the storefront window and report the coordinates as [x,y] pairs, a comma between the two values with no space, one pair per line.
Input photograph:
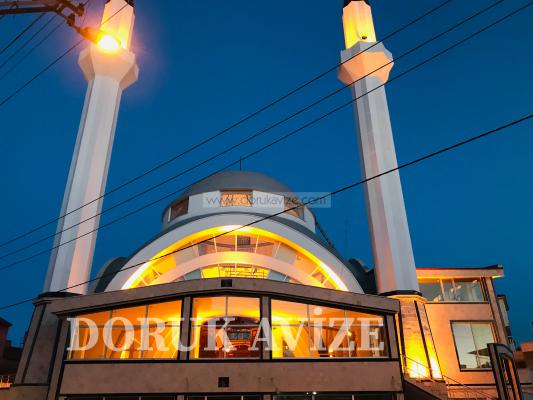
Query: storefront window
[333,396]
[471,339]
[225,327]
[148,331]
[302,330]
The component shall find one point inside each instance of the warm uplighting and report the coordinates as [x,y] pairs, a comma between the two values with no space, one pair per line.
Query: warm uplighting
[358,24]
[104,40]
[235,248]
[108,43]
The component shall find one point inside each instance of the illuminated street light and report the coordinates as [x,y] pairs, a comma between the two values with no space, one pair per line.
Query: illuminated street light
[104,40]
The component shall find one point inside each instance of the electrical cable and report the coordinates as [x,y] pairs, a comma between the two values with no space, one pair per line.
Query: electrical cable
[234,125]
[334,193]
[277,140]
[248,139]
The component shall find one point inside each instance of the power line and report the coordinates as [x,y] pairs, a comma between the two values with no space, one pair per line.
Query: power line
[31,50]
[55,61]
[301,128]
[49,34]
[249,138]
[218,134]
[21,33]
[20,48]
[334,193]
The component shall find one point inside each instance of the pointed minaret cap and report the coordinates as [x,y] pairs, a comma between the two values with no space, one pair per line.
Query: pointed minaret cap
[357,22]
[346,2]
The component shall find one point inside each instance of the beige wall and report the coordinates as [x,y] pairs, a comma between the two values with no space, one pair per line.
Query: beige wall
[440,316]
[43,360]
[269,377]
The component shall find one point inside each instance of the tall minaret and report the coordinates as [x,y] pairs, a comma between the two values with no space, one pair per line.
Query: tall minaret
[391,243]
[109,67]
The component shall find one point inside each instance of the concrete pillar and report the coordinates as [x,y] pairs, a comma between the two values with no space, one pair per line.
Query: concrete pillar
[395,269]
[40,352]
[109,68]
[417,346]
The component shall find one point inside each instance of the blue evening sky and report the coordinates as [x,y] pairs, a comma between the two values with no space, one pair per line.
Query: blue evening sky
[205,64]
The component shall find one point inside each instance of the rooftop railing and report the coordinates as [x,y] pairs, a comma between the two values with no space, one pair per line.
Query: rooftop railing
[6,381]
[458,389]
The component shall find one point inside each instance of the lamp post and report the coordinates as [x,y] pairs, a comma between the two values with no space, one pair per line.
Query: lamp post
[109,67]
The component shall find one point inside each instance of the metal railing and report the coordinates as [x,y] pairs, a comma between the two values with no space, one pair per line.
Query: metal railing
[6,381]
[457,387]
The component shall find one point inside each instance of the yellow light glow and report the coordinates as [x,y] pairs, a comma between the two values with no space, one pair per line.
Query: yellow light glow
[163,264]
[108,43]
[118,19]
[358,23]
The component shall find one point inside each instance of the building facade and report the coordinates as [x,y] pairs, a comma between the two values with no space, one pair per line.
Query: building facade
[278,270]
[239,298]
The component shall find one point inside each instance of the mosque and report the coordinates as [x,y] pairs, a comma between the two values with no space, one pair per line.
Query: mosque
[240,298]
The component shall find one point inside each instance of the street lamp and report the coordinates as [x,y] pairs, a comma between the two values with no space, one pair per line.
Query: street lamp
[106,41]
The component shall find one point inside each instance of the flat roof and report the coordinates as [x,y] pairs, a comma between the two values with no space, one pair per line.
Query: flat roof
[495,271]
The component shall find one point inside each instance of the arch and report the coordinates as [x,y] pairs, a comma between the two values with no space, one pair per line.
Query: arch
[213,225]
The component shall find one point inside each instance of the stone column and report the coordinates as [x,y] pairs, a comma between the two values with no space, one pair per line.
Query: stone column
[109,70]
[395,269]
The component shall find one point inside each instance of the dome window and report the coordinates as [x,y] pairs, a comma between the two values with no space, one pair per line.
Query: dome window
[178,209]
[236,198]
[290,204]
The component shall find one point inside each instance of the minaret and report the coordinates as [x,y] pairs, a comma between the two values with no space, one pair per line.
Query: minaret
[109,67]
[395,269]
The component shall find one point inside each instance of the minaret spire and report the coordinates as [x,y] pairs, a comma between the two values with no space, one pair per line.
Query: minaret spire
[395,269]
[109,67]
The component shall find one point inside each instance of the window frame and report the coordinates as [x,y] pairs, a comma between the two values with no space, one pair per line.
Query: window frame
[346,308]
[104,359]
[491,323]
[482,286]
[172,217]
[223,360]
[231,192]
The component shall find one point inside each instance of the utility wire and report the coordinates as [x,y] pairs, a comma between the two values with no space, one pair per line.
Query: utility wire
[21,33]
[248,139]
[334,193]
[54,62]
[331,112]
[29,52]
[20,48]
[220,133]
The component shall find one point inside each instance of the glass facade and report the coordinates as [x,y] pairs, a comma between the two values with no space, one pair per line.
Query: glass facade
[333,396]
[277,396]
[225,327]
[147,331]
[238,243]
[471,339]
[114,397]
[310,331]
[457,289]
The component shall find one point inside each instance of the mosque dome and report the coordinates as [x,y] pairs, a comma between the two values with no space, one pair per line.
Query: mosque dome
[234,224]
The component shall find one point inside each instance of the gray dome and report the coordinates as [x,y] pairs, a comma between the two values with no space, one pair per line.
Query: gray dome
[238,180]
